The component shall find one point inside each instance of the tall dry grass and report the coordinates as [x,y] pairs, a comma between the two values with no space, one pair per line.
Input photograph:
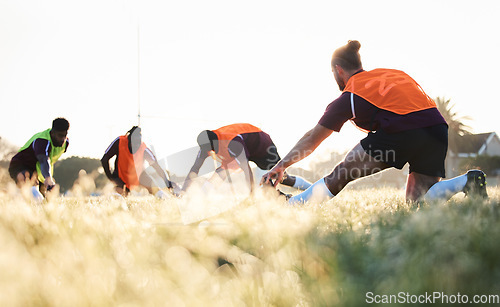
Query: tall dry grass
[106,251]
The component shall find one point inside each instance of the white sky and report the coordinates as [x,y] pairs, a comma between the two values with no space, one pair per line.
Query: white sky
[205,64]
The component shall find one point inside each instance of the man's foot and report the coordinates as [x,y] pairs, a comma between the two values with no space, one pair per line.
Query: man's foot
[287,196]
[476,184]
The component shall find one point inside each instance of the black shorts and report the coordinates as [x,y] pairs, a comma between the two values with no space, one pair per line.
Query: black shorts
[16,169]
[269,160]
[118,181]
[424,149]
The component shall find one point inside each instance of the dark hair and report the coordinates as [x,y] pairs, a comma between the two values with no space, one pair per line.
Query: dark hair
[133,129]
[60,124]
[207,140]
[348,56]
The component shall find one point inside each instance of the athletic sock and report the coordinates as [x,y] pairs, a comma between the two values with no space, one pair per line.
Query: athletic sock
[37,196]
[445,189]
[318,192]
[301,183]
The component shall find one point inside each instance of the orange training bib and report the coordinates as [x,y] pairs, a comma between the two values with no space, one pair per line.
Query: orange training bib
[391,90]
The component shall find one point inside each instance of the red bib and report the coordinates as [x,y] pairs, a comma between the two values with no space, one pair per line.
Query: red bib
[128,171]
[225,135]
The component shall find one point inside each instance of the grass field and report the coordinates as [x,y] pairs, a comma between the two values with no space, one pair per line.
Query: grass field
[105,251]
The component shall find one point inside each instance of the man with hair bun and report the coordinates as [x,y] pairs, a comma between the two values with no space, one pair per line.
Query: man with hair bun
[403,126]
[35,160]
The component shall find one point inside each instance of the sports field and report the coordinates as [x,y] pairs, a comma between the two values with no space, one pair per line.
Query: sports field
[109,251]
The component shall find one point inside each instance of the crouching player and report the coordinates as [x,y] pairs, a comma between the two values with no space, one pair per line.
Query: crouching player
[234,146]
[35,160]
[129,172]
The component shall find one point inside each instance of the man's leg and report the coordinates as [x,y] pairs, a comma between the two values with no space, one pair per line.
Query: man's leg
[24,177]
[295,182]
[356,164]
[418,184]
[43,189]
[119,184]
[146,181]
[471,183]
[21,178]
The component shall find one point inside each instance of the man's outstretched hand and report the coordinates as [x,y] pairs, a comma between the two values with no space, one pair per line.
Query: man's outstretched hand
[276,173]
[49,183]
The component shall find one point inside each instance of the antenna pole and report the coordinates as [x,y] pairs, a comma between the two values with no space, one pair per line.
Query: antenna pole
[138,75]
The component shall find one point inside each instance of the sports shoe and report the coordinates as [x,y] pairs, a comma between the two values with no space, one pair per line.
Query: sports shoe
[287,196]
[476,184]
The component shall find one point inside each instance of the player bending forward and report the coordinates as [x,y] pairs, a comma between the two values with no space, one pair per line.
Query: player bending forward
[234,146]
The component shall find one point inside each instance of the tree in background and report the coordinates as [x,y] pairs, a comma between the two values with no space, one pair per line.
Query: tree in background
[67,171]
[489,164]
[457,128]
